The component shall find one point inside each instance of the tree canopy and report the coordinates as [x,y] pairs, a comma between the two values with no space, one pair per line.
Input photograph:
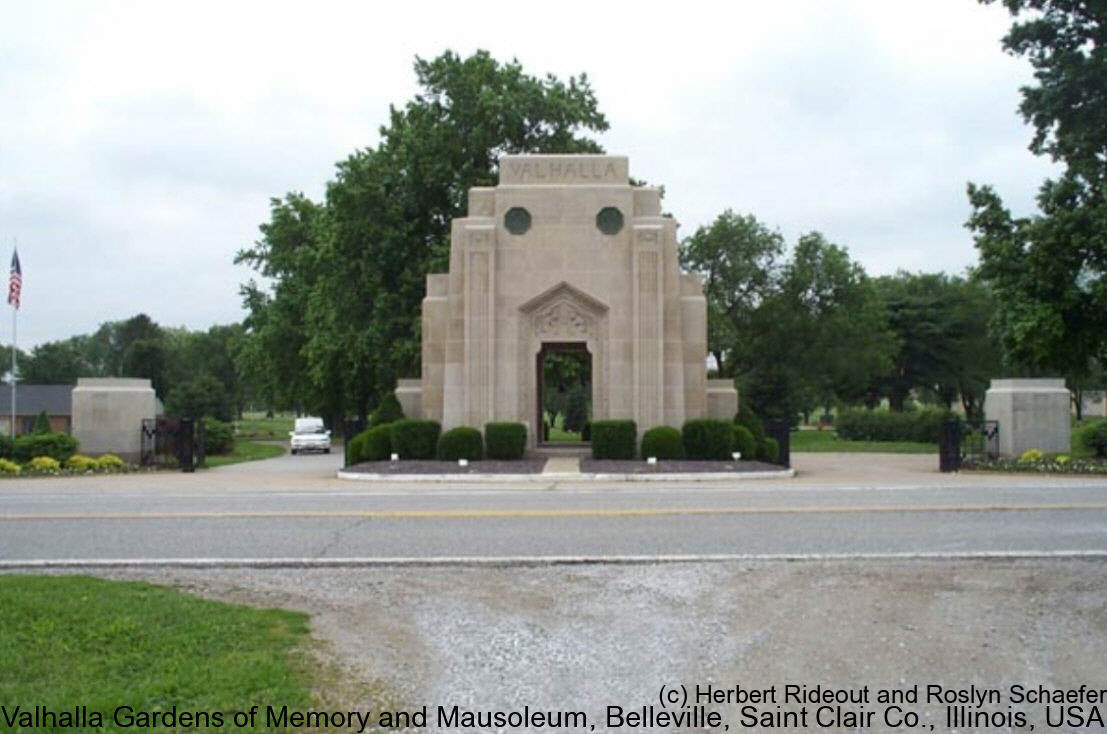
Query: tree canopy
[348,274]
[1047,271]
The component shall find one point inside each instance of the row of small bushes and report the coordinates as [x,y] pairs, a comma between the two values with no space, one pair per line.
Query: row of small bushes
[699,438]
[423,439]
[57,446]
[923,426]
[75,464]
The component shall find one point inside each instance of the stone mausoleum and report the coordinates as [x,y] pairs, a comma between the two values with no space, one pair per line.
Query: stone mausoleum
[564,255]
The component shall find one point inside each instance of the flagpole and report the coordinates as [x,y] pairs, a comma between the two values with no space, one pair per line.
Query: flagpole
[15,312]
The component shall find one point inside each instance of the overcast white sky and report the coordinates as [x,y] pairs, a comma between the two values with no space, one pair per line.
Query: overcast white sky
[140,142]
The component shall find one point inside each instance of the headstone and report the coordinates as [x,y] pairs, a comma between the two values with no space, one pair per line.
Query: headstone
[108,414]
[1031,413]
[565,252]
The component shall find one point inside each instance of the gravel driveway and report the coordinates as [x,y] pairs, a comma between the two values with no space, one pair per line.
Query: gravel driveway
[585,637]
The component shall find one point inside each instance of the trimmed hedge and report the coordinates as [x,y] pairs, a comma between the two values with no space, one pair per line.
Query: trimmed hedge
[663,442]
[614,439]
[388,411]
[415,439]
[708,438]
[768,450]
[58,446]
[462,442]
[746,417]
[1094,438]
[372,444]
[745,443]
[218,437]
[505,440]
[923,426]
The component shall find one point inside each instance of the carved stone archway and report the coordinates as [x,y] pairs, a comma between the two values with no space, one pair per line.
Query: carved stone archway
[563,314]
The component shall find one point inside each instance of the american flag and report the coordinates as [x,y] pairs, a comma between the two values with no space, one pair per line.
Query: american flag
[15,285]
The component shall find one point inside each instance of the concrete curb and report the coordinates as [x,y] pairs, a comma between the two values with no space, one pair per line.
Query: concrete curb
[558,477]
[478,561]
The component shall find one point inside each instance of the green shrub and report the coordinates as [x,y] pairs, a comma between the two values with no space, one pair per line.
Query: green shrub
[746,417]
[42,423]
[44,465]
[462,442]
[614,439]
[586,432]
[109,463]
[7,447]
[745,443]
[388,411]
[7,466]
[664,442]
[924,426]
[58,446]
[1094,438]
[415,439]
[218,437]
[78,462]
[372,444]
[505,440]
[708,438]
[768,451]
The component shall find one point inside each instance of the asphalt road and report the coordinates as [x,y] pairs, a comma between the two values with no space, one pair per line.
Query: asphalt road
[292,507]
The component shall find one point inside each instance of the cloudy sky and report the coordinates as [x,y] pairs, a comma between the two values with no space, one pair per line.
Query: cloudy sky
[140,142]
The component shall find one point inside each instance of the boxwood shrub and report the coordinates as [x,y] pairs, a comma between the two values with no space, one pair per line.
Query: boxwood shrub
[1093,437]
[768,450]
[372,444]
[708,438]
[746,417]
[388,411]
[882,425]
[415,439]
[664,442]
[614,439]
[218,437]
[58,446]
[462,442]
[745,443]
[505,440]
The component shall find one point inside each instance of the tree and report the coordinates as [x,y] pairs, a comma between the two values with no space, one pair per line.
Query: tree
[58,362]
[1048,271]
[943,346]
[42,423]
[198,397]
[736,256]
[147,357]
[358,275]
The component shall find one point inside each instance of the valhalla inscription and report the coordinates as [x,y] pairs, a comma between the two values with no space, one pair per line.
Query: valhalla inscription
[563,169]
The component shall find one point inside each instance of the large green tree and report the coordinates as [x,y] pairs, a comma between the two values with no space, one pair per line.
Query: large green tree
[737,258]
[384,225]
[795,333]
[943,346]
[1048,270]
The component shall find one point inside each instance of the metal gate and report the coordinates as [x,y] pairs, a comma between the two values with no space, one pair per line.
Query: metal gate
[169,443]
[960,441]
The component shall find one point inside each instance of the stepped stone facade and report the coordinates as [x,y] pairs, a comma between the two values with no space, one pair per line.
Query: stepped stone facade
[564,252]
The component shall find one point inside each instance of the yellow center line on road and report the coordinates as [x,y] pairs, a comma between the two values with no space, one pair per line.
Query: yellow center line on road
[520,512]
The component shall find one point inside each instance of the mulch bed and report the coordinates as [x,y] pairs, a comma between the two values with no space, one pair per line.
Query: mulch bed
[421,466]
[671,466]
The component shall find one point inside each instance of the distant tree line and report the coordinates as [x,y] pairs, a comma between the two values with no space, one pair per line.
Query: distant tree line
[193,372]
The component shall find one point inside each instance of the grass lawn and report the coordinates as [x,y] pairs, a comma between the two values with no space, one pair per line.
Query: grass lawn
[827,441]
[256,425]
[75,641]
[246,451]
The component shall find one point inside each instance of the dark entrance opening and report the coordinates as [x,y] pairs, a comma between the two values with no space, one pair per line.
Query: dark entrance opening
[564,373]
